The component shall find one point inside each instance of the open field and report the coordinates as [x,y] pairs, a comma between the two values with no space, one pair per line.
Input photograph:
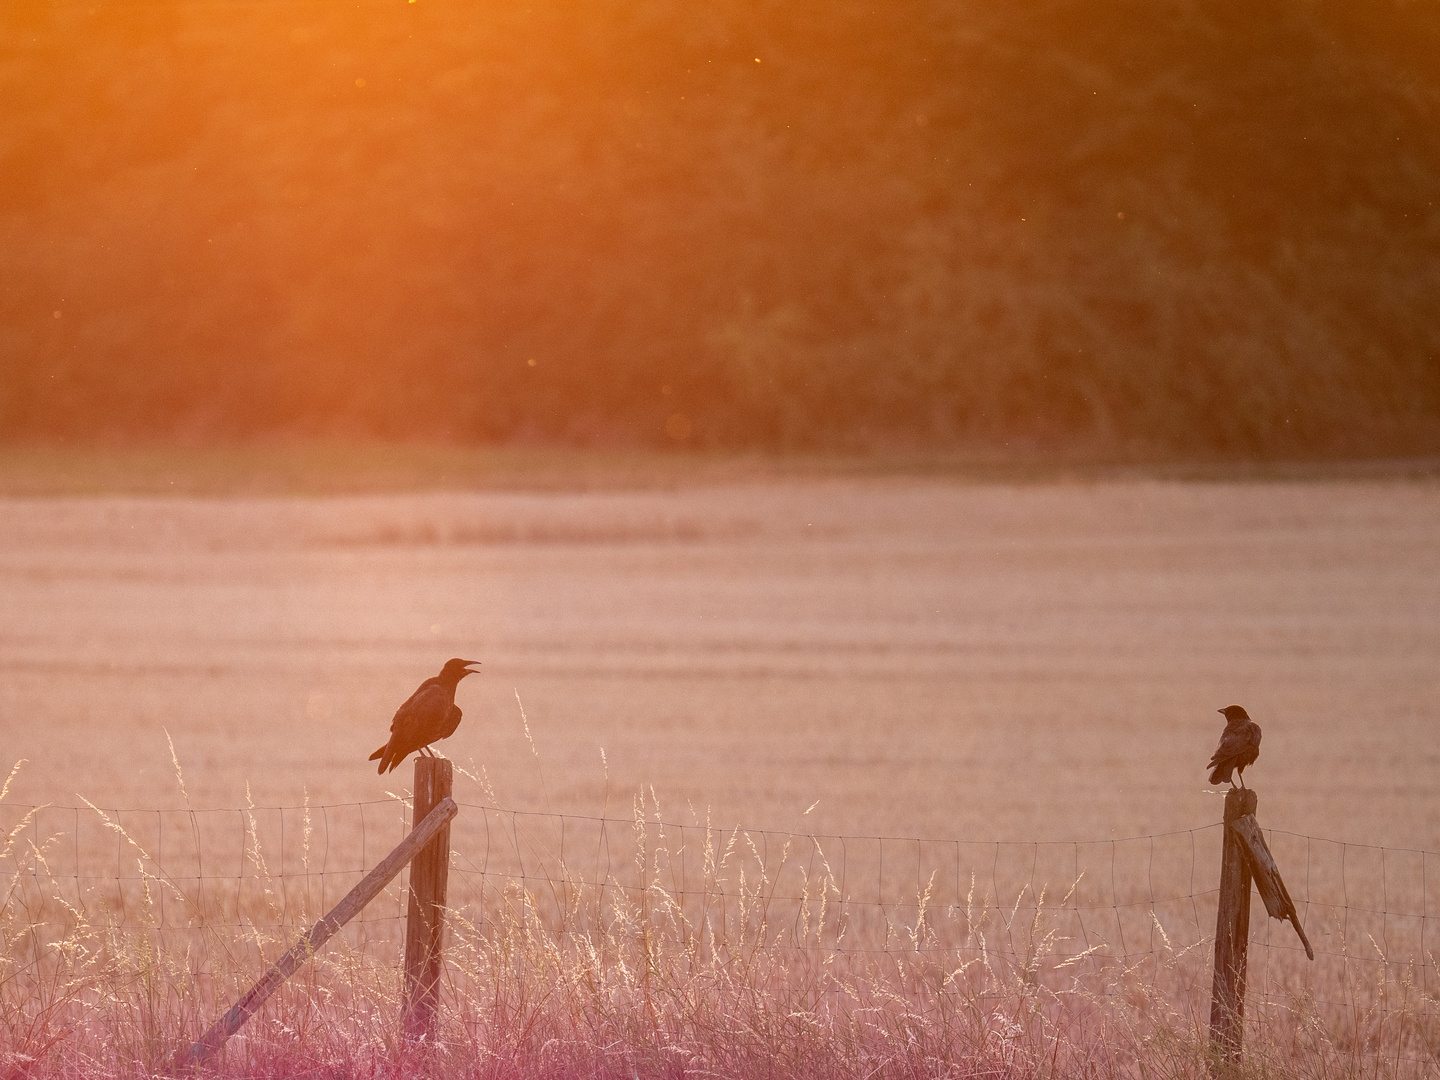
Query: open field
[1036,662]
[979,661]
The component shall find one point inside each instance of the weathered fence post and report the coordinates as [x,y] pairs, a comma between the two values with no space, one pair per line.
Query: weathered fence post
[1232,935]
[1246,858]
[424,924]
[1267,876]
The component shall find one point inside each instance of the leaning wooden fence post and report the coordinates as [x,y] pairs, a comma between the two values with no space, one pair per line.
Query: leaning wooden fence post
[1232,934]
[424,924]
[1267,876]
[355,900]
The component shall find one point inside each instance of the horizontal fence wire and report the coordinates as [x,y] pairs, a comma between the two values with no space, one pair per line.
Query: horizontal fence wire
[1079,916]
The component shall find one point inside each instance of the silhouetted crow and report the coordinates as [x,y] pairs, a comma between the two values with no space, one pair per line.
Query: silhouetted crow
[429,714]
[1239,746]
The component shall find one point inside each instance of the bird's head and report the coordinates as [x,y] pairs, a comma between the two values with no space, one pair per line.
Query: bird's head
[456,669]
[1233,713]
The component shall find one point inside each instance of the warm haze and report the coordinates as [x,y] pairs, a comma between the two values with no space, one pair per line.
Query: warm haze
[858,447]
[1123,229]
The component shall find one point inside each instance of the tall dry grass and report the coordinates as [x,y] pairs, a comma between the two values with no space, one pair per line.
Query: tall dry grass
[637,948]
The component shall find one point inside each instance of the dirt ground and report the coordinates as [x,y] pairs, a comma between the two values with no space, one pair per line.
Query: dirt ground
[919,657]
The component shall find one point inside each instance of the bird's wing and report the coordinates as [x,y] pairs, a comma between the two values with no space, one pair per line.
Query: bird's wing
[1252,745]
[414,701]
[420,717]
[1235,741]
[413,726]
[452,721]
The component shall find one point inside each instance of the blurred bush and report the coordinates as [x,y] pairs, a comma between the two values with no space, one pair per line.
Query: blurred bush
[1133,227]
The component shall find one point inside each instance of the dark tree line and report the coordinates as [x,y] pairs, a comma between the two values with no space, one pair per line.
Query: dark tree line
[1137,226]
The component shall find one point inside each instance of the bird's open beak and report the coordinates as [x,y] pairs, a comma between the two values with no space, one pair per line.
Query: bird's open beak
[472,667]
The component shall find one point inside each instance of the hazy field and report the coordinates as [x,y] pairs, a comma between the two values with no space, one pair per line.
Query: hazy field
[975,661]
[963,662]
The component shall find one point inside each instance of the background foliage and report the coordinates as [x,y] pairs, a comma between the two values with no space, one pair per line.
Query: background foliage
[1140,228]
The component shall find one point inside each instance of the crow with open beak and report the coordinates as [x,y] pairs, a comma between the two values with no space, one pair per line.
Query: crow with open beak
[428,715]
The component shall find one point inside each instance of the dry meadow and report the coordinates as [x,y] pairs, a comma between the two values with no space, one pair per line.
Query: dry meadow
[917,761]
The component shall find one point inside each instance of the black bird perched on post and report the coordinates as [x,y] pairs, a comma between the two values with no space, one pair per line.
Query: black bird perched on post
[428,715]
[1239,746]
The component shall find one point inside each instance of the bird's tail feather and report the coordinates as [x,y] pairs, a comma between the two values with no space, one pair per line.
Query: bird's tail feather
[378,754]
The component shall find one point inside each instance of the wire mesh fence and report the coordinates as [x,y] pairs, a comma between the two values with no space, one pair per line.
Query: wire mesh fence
[1105,919]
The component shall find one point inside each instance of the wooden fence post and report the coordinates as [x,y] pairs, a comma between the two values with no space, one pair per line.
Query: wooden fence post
[424,924]
[1232,935]
[1267,876]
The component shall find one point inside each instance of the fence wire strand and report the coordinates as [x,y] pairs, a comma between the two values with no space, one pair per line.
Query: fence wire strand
[1062,912]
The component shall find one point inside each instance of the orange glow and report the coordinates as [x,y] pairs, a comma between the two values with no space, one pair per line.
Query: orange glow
[820,225]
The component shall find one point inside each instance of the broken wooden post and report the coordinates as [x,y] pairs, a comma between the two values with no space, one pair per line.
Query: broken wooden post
[1232,934]
[355,900]
[1267,876]
[424,924]
[1246,857]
